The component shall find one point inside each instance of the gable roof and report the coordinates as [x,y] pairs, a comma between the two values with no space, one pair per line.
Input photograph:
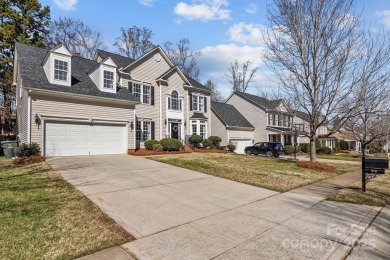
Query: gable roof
[301,115]
[124,62]
[229,115]
[33,75]
[120,61]
[260,101]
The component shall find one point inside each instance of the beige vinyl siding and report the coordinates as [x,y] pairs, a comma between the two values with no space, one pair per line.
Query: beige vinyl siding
[219,129]
[302,138]
[72,108]
[255,115]
[240,134]
[95,76]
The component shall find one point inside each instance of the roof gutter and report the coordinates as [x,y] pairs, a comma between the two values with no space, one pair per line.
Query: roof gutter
[81,96]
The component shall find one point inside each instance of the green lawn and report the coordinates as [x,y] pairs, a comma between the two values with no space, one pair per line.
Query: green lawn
[377,192]
[44,217]
[343,157]
[270,173]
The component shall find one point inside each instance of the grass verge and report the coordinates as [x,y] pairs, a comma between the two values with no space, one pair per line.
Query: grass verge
[44,217]
[270,173]
[377,192]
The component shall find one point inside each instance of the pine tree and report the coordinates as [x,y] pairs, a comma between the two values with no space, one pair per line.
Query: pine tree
[24,21]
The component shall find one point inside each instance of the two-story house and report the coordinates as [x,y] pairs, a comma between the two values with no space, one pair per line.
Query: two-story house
[271,119]
[70,105]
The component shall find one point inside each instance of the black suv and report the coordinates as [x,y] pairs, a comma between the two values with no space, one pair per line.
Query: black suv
[267,148]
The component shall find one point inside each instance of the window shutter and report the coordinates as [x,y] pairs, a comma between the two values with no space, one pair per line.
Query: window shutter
[190,104]
[205,104]
[130,85]
[169,103]
[152,126]
[152,95]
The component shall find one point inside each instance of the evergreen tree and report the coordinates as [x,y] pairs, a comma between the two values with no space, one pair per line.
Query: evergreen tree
[24,21]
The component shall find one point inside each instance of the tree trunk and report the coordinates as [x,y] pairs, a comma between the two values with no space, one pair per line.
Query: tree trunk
[313,149]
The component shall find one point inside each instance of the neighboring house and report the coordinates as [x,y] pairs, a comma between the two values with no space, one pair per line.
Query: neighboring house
[302,119]
[229,124]
[272,120]
[332,140]
[74,106]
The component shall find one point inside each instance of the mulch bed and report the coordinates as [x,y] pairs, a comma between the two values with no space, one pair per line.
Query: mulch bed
[317,166]
[28,160]
[144,152]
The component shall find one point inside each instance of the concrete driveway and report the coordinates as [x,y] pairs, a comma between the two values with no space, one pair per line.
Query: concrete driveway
[181,214]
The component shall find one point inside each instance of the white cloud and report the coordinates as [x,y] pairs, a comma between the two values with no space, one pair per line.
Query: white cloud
[384,17]
[247,33]
[203,10]
[251,8]
[215,61]
[67,5]
[146,2]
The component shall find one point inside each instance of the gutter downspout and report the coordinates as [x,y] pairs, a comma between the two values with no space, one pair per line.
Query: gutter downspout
[29,117]
[160,107]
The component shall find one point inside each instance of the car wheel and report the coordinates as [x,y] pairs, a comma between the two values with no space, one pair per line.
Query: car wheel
[248,152]
[269,154]
[276,155]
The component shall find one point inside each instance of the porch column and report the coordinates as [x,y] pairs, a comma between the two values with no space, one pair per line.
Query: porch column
[282,139]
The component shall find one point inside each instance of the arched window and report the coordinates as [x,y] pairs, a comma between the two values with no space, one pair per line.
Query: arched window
[174,101]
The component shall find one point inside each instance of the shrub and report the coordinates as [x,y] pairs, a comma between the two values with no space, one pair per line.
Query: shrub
[304,147]
[150,143]
[318,144]
[316,166]
[207,143]
[27,150]
[158,147]
[290,149]
[344,145]
[215,140]
[231,147]
[222,148]
[170,144]
[324,150]
[28,160]
[196,139]
[337,150]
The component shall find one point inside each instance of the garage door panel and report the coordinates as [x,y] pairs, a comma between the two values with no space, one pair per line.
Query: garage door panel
[241,144]
[62,139]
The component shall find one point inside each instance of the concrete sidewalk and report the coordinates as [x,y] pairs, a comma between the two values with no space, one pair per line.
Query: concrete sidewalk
[180,214]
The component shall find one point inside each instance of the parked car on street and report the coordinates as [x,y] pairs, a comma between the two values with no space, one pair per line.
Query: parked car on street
[269,149]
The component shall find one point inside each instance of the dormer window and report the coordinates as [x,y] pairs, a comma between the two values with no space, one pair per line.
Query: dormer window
[60,70]
[108,79]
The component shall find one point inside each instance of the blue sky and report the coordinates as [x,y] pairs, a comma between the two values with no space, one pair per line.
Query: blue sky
[223,30]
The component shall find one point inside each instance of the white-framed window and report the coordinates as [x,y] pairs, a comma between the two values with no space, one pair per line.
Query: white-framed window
[143,130]
[199,127]
[142,91]
[60,70]
[175,102]
[198,102]
[108,79]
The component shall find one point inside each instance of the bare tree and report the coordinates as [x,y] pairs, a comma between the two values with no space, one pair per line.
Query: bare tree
[311,47]
[77,37]
[215,93]
[371,123]
[134,42]
[240,78]
[181,55]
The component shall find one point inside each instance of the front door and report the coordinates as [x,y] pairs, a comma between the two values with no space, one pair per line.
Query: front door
[175,130]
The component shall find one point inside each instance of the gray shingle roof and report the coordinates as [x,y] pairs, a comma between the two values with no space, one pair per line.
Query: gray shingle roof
[120,61]
[198,116]
[195,83]
[260,101]
[30,61]
[230,115]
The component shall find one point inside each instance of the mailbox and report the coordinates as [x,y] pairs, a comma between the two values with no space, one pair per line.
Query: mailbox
[375,166]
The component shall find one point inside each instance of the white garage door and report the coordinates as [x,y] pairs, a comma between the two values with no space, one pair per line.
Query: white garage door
[65,139]
[241,144]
